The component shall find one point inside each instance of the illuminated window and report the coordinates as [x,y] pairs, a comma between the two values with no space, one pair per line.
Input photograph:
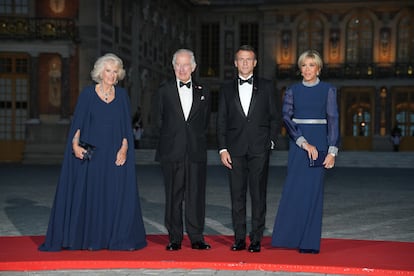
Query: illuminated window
[361,121]
[403,103]
[405,42]
[310,35]
[359,40]
[14,7]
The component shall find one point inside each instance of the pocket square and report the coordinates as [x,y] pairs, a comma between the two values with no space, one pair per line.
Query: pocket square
[319,161]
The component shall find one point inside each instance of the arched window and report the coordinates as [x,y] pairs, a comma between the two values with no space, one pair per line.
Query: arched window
[14,7]
[405,44]
[359,40]
[310,34]
[361,121]
[403,106]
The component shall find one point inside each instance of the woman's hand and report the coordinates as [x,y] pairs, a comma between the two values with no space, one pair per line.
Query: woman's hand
[311,149]
[121,156]
[329,161]
[78,151]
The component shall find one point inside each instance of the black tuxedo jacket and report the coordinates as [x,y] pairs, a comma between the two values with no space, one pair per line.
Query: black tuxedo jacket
[241,134]
[179,138]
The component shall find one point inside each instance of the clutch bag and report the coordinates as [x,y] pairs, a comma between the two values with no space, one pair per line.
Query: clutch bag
[87,155]
[319,161]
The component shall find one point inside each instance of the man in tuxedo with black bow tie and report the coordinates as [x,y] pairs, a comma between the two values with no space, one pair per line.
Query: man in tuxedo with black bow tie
[183,110]
[246,131]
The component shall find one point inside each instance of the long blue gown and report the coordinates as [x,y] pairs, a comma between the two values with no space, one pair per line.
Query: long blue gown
[96,203]
[298,222]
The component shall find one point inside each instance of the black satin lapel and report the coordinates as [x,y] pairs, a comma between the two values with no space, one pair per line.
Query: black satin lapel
[254,95]
[237,97]
[196,102]
[176,99]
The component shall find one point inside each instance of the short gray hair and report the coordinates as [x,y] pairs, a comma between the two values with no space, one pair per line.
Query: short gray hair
[184,51]
[313,55]
[100,65]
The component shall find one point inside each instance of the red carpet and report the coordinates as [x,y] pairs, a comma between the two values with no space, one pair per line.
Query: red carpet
[338,256]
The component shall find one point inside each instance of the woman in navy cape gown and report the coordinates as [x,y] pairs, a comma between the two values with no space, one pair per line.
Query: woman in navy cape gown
[310,115]
[96,204]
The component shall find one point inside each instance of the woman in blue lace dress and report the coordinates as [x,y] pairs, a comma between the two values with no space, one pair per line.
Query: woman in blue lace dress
[310,114]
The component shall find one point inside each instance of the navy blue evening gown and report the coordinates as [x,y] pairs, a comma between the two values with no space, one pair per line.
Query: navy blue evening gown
[96,203]
[298,222]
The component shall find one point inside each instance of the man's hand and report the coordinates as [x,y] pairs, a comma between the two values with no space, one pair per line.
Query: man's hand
[226,159]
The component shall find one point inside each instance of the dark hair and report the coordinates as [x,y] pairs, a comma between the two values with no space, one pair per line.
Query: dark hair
[245,47]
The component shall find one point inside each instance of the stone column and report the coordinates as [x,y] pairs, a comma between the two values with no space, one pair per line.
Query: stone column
[65,95]
[34,94]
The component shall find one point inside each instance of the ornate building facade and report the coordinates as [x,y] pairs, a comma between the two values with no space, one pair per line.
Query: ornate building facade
[48,48]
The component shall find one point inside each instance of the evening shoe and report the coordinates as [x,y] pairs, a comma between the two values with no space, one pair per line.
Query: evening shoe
[254,247]
[200,245]
[308,251]
[239,245]
[172,246]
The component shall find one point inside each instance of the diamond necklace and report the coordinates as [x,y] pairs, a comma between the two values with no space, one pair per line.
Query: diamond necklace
[106,94]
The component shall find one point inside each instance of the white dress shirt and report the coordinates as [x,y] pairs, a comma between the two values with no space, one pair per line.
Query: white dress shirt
[245,94]
[186,98]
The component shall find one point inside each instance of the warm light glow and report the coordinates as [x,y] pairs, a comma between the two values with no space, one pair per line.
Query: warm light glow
[57,6]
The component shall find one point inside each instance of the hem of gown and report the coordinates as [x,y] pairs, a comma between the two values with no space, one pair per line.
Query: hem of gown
[292,247]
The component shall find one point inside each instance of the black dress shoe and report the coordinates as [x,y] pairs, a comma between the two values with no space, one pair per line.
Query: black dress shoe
[200,245]
[172,246]
[239,245]
[254,247]
[308,251]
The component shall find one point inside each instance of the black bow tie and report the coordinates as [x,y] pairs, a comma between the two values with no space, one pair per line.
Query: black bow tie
[188,84]
[249,81]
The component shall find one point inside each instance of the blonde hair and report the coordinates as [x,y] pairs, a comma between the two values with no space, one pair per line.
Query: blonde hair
[313,55]
[99,66]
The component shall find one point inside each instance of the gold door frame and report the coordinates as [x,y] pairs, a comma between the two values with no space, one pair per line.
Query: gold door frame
[353,101]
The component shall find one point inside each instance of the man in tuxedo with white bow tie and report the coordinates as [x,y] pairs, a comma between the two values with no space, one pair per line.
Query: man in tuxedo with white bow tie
[246,132]
[183,110]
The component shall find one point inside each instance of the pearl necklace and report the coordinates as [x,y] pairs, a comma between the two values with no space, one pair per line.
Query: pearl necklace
[106,94]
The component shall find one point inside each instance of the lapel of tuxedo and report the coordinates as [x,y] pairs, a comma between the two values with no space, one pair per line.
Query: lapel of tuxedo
[197,94]
[237,97]
[254,94]
[176,99]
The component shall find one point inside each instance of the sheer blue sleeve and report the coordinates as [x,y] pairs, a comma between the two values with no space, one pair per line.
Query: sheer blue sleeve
[332,117]
[287,113]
